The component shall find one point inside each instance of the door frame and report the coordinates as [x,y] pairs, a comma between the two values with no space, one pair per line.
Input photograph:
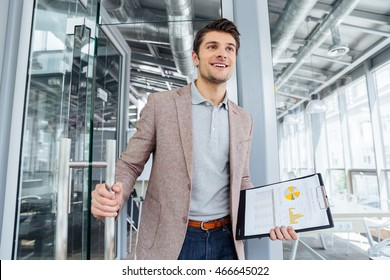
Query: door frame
[17,119]
[118,41]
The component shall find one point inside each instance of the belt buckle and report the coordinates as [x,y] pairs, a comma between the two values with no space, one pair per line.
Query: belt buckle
[202,225]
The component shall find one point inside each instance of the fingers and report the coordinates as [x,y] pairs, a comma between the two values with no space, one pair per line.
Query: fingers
[105,203]
[292,233]
[272,235]
[103,190]
[117,187]
[283,233]
[275,234]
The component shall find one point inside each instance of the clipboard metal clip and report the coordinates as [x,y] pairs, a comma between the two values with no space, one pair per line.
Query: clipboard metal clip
[322,197]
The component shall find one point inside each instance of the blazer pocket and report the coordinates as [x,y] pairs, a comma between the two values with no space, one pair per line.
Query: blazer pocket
[149,222]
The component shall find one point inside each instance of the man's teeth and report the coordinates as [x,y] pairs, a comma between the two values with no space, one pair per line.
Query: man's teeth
[220,65]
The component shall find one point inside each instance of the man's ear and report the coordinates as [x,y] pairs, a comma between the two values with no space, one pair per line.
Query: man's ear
[195,58]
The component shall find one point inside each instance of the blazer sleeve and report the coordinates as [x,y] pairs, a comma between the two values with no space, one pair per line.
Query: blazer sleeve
[132,161]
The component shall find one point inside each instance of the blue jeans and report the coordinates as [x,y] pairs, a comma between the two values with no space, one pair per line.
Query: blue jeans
[216,244]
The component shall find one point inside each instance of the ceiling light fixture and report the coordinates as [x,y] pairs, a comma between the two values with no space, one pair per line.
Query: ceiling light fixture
[337,49]
[315,106]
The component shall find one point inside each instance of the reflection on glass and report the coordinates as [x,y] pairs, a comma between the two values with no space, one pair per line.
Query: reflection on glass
[106,106]
[55,108]
[154,15]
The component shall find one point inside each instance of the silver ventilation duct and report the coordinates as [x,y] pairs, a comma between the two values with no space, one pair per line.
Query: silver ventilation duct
[112,5]
[119,9]
[288,23]
[147,25]
[340,10]
[180,15]
[146,32]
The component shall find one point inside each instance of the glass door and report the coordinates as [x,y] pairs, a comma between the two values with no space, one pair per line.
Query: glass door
[104,123]
[59,109]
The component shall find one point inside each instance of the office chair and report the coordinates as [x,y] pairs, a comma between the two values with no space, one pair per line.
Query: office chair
[380,250]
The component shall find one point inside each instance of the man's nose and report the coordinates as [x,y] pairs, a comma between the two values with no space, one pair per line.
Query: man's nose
[222,54]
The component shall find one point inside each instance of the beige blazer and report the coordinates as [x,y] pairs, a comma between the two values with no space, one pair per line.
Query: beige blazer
[165,131]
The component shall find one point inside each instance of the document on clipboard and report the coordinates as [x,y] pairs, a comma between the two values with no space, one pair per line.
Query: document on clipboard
[301,203]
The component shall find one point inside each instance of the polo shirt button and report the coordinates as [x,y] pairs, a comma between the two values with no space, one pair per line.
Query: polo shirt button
[184,220]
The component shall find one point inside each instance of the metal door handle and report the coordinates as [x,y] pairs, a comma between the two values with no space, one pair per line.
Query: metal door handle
[63,199]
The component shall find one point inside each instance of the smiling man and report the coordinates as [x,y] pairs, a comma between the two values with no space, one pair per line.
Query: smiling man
[200,142]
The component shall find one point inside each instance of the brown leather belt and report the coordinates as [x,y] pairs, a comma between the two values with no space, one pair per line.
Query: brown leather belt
[208,225]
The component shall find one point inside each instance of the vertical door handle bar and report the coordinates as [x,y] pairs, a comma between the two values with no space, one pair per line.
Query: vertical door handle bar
[61,244]
[109,225]
[63,196]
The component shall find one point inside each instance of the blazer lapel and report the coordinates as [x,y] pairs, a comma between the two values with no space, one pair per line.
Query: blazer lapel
[184,115]
[234,136]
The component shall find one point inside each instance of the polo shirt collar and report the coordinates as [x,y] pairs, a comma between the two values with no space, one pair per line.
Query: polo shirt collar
[197,98]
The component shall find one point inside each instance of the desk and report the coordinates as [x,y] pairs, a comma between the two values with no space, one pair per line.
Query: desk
[347,217]
[345,209]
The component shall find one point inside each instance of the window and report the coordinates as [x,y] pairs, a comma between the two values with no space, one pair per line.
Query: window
[382,81]
[337,177]
[359,125]
[333,132]
[365,187]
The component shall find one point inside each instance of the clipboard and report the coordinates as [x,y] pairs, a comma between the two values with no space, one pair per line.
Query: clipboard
[301,203]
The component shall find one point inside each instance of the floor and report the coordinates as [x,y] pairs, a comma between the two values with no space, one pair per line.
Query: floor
[339,246]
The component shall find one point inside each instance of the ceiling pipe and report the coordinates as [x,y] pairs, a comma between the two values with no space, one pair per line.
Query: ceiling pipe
[181,35]
[340,10]
[138,24]
[288,23]
[150,26]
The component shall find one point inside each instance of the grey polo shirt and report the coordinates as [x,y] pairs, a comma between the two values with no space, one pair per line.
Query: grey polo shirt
[211,173]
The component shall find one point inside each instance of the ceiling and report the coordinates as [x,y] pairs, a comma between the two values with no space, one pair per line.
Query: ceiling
[302,34]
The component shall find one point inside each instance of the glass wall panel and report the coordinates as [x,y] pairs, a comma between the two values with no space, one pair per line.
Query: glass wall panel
[304,148]
[337,176]
[382,83]
[291,149]
[58,105]
[338,183]
[361,141]
[105,122]
[365,187]
[359,124]
[333,132]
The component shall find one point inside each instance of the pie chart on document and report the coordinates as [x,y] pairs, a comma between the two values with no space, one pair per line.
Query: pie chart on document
[291,193]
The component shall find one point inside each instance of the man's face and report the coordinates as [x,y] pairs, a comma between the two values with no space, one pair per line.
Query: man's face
[217,56]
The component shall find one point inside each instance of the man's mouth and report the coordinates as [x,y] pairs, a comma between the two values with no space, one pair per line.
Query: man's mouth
[219,65]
